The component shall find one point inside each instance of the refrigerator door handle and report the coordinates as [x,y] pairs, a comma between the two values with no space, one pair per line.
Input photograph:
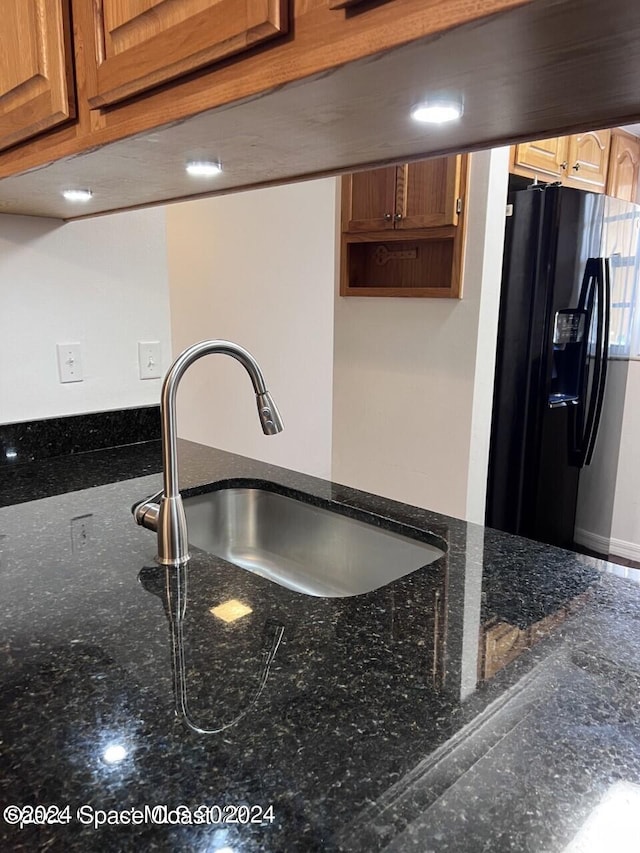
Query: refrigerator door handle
[578,416]
[597,274]
[604,303]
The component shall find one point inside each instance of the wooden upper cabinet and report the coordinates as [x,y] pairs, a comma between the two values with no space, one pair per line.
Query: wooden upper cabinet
[579,161]
[140,44]
[588,158]
[624,166]
[36,76]
[427,193]
[546,158]
[369,200]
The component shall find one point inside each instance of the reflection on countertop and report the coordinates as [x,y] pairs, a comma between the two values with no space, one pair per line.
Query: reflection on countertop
[172,585]
[488,701]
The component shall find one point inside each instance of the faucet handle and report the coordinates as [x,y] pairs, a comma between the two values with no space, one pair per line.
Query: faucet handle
[151,499]
[146,511]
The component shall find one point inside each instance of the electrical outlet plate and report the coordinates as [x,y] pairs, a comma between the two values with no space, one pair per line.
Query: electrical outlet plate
[149,359]
[81,532]
[70,362]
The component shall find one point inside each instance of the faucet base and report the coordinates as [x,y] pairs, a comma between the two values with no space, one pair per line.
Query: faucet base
[173,541]
[177,562]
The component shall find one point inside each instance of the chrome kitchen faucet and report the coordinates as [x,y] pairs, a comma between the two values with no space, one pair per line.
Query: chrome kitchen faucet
[164,512]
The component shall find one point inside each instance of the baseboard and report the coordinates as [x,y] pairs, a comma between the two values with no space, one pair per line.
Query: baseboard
[628,550]
[607,545]
[592,541]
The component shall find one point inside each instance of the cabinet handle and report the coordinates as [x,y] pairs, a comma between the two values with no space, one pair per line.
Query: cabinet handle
[398,217]
[564,165]
[388,217]
[576,167]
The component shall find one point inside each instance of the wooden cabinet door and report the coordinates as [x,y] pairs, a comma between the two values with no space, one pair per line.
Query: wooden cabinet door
[427,193]
[143,43]
[624,166]
[546,158]
[369,200]
[36,77]
[588,158]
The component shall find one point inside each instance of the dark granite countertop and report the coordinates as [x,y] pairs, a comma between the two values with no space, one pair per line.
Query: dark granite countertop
[488,702]
[33,480]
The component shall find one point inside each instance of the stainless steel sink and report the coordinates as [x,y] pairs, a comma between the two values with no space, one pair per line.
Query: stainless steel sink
[301,546]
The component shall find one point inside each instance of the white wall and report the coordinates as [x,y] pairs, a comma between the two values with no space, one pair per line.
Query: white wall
[598,481]
[625,528]
[608,513]
[258,268]
[100,282]
[484,270]
[413,378]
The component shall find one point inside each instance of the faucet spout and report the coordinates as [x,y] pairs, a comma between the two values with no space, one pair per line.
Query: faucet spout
[167,518]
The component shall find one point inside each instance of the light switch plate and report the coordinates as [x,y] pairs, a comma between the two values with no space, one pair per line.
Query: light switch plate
[149,359]
[70,362]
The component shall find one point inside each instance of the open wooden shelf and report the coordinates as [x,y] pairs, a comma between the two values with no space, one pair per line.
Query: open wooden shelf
[397,266]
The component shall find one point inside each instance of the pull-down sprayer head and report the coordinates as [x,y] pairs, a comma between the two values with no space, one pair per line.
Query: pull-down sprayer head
[270,419]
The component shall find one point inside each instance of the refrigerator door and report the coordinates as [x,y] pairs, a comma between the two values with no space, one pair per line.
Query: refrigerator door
[597,488]
[521,311]
[616,282]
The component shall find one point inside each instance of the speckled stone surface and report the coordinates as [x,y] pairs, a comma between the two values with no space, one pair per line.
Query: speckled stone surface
[31,441]
[376,723]
[32,481]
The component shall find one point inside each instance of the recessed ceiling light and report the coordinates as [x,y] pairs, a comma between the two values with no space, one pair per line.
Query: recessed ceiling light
[203,169]
[437,112]
[77,195]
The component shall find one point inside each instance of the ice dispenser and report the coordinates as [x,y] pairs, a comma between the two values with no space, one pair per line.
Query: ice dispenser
[569,342]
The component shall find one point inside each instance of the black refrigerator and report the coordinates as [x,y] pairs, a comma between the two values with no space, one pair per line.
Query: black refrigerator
[552,359]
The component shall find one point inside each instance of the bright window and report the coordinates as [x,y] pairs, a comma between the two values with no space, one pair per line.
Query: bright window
[622,247]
